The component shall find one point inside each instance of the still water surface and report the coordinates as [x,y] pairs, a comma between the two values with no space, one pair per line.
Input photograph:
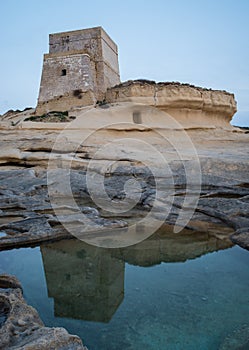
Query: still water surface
[168,292]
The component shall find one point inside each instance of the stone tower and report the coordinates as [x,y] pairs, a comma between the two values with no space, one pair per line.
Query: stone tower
[78,69]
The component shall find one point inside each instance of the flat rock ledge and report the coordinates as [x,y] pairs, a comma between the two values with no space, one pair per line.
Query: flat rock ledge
[190,105]
[21,327]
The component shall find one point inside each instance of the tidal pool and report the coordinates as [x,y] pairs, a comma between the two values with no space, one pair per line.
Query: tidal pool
[185,291]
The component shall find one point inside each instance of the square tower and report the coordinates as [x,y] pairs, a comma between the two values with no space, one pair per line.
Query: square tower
[78,69]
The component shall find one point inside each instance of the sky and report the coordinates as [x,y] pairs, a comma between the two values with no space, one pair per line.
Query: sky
[201,42]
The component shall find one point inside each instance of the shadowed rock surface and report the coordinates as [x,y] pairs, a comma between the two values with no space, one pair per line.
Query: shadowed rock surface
[22,327]
[237,340]
[27,217]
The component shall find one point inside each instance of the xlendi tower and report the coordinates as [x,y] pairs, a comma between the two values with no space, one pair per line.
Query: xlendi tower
[78,69]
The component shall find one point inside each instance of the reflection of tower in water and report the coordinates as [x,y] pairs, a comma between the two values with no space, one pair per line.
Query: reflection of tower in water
[86,282]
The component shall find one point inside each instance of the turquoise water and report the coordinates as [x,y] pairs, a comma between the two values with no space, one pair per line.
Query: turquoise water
[164,293]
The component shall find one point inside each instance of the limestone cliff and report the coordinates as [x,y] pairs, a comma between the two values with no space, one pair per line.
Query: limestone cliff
[190,105]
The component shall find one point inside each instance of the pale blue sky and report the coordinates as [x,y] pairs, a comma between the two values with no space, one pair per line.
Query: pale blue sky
[205,43]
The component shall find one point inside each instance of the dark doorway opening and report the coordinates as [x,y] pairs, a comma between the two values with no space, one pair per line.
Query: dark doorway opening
[137,118]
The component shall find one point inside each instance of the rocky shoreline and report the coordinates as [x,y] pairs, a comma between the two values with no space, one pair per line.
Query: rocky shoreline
[199,173]
[90,144]
[22,327]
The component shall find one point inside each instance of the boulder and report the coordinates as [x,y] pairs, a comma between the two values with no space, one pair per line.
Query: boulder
[21,326]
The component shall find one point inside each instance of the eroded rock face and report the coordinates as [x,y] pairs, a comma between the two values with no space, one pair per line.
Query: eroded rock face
[190,105]
[241,237]
[23,329]
[108,140]
[26,214]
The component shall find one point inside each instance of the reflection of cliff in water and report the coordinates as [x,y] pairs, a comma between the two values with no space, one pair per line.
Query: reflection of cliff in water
[87,282]
[166,246]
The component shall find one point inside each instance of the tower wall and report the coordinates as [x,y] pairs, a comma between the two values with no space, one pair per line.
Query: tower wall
[64,74]
[79,68]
